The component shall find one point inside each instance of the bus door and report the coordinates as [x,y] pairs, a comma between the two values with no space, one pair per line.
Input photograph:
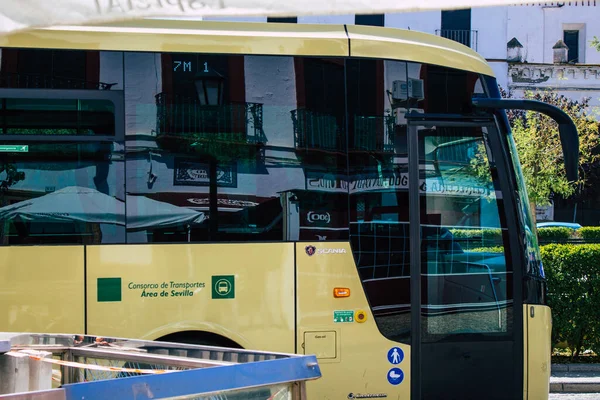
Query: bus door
[466,327]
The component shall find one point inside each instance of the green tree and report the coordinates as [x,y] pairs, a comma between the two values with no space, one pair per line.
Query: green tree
[596,43]
[539,148]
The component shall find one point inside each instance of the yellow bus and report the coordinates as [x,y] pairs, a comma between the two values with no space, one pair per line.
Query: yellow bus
[351,192]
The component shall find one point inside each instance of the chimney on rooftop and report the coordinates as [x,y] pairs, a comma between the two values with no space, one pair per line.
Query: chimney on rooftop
[561,52]
[514,51]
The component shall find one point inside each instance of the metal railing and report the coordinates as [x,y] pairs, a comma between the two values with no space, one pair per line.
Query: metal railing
[68,367]
[374,133]
[316,131]
[38,81]
[185,116]
[464,36]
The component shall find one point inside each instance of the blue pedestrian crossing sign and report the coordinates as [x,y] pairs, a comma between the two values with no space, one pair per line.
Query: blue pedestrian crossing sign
[395,355]
[395,376]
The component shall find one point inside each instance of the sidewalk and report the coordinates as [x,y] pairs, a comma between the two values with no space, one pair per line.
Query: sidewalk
[575,378]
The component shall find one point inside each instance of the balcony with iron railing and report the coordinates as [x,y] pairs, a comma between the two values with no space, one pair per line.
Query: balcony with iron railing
[463,36]
[228,126]
[374,133]
[318,131]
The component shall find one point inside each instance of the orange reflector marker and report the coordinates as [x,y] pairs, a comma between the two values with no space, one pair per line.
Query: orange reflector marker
[341,292]
[360,316]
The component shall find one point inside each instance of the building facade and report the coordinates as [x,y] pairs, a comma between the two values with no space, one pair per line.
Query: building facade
[543,46]
[518,41]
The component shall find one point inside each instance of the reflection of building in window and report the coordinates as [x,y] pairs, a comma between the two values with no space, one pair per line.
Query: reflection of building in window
[208,156]
[68,128]
[51,69]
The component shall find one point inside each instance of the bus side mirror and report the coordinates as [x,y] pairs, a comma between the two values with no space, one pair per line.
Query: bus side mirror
[569,137]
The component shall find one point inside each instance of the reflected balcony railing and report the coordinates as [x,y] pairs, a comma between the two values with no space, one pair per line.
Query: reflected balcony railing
[463,36]
[316,131]
[39,81]
[374,133]
[179,116]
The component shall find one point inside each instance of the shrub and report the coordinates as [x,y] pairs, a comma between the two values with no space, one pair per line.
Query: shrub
[589,232]
[487,234]
[555,234]
[491,249]
[573,274]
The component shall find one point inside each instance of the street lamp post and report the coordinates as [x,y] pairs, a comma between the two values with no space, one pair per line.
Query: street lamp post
[209,88]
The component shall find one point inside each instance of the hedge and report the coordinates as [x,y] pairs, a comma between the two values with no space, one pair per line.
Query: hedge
[589,232]
[556,234]
[573,274]
[550,234]
[488,234]
[489,249]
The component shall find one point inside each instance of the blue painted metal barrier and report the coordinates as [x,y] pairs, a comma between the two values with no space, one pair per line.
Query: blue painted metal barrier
[77,367]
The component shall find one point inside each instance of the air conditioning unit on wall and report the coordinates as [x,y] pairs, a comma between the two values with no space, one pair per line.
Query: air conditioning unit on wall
[413,89]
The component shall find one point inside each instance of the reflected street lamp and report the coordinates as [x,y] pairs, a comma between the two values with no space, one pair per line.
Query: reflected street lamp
[209,87]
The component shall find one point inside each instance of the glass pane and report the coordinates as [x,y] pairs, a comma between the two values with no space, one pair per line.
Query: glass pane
[55,116]
[534,259]
[466,280]
[235,148]
[378,186]
[61,69]
[61,193]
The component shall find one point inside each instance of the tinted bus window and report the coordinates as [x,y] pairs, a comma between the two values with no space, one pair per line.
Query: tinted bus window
[61,147]
[378,190]
[234,148]
[463,230]
[61,193]
[56,115]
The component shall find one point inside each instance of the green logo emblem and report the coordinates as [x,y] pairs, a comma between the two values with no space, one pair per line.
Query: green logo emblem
[223,287]
[109,289]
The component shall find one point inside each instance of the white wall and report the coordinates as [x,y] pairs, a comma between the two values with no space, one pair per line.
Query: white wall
[271,81]
[236,19]
[575,95]
[143,81]
[111,68]
[573,82]
[501,71]
[539,28]
[574,17]
[427,21]
[327,19]
[526,23]
[491,25]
